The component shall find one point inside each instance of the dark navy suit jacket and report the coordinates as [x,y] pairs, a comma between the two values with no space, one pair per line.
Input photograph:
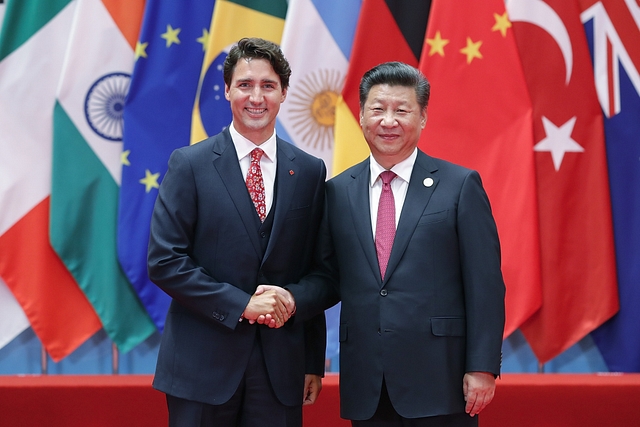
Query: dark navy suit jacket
[439,312]
[205,252]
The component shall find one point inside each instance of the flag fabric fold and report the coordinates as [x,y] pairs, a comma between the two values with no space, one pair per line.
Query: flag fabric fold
[12,318]
[231,21]
[401,39]
[480,116]
[157,114]
[579,287]
[32,45]
[613,36]
[87,147]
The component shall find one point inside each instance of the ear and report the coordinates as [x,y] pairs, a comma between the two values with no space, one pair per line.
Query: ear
[284,95]
[423,121]
[226,92]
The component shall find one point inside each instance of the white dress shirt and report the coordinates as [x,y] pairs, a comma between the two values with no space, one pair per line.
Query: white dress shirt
[399,186]
[268,161]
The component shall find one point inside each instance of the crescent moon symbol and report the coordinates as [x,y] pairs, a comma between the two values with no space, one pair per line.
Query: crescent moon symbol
[539,13]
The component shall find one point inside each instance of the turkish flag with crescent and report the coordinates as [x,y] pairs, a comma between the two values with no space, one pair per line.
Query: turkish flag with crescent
[479,116]
[579,288]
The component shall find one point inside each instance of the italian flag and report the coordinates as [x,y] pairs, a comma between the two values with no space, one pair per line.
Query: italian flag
[32,45]
[87,152]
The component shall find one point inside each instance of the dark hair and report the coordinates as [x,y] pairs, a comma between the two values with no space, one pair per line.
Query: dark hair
[396,74]
[261,49]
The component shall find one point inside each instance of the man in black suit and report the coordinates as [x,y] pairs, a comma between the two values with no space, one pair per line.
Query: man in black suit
[227,218]
[410,247]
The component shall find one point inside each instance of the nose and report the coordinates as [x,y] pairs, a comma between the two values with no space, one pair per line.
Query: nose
[256,94]
[388,119]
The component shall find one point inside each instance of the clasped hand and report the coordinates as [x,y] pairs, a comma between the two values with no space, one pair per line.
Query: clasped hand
[270,305]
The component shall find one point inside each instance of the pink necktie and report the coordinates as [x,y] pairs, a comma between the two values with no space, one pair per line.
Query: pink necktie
[386,223]
[255,183]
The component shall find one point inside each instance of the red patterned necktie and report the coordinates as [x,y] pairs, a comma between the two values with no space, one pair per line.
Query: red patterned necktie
[255,183]
[386,223]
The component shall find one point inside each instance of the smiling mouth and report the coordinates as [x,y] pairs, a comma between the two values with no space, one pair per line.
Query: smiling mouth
[256,111]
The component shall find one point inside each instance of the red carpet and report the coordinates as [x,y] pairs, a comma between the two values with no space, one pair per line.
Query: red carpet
[522,400]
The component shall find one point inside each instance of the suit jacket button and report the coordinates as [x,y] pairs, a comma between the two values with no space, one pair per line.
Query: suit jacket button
[383,292]
[221,317]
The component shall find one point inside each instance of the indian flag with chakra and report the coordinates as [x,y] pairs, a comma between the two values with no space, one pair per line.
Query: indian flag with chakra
[87,148]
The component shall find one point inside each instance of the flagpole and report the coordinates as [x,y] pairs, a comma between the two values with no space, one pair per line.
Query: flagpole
[43,360]
[115,366]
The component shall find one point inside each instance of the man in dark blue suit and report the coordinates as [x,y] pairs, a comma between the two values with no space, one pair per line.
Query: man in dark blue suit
[410,247]
[236,210]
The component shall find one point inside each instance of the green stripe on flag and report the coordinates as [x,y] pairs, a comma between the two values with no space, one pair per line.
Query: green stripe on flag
[23,18]
[270,7]
[83,232]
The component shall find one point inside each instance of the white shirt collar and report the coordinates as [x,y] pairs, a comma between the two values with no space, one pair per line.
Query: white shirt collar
[244,146]
[402,169]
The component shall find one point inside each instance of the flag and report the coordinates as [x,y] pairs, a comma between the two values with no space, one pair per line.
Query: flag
[579,289]
[308,114]
[12,319]
[479,116]
[157,114]
[614,36]
[387,30]
[32,45]
[87,147]
[2,7]
[232,20]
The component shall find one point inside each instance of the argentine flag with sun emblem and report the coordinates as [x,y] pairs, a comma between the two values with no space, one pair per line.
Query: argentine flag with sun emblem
[87,147]
[306,118]
[308,114]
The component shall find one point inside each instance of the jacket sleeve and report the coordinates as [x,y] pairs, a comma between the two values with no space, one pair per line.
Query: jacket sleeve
[170,261]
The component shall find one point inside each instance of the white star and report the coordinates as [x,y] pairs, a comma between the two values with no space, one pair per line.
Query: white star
[558,141]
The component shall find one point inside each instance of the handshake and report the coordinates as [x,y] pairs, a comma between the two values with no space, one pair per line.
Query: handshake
[270,305]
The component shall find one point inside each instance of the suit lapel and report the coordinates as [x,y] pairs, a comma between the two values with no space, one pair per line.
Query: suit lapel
[225,160]
[358,194]
[286,185]
[418,195]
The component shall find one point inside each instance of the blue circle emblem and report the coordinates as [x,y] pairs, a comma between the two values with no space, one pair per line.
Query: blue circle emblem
[215,110]
[104,105]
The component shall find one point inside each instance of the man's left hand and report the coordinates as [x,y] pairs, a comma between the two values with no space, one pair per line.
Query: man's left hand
[312,388]
[478,389]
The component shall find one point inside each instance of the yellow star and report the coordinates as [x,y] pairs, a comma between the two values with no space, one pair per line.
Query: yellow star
[502,23]
[141,49]
[150,180]
[171,36]
[124,157]
[472,50]
[204,40]
[437,44]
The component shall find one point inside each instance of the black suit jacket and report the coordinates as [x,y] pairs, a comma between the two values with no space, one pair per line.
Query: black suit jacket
[439,312]
[205,252]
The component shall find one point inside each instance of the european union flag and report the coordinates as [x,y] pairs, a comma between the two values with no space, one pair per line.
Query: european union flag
[157,120]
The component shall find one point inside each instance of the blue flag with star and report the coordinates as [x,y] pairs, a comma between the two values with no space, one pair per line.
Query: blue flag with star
[157,120]
[616,62]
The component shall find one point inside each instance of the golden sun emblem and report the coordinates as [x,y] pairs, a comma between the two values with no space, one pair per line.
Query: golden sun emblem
[313,107]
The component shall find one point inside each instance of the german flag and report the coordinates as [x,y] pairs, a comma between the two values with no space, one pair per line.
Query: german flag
[388,30]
